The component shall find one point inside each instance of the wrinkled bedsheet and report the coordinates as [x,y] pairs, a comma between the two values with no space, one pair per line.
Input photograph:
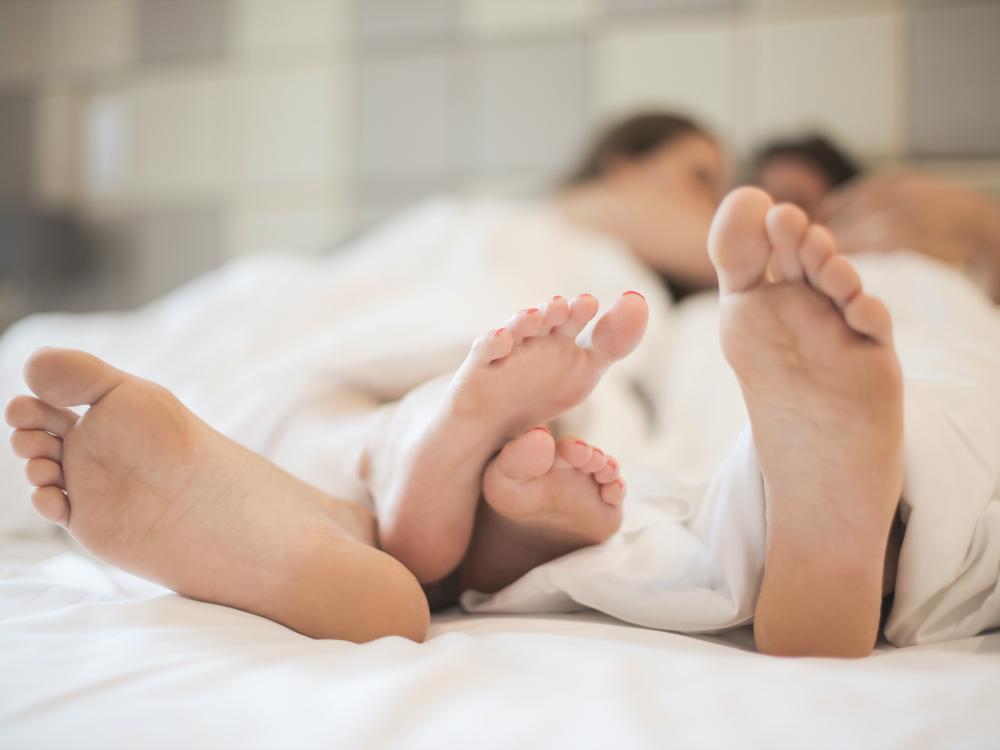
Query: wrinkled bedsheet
[92,658]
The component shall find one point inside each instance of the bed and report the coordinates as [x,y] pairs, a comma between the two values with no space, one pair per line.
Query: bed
[93,658]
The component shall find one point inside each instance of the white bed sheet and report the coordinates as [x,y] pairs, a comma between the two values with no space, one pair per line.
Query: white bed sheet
[93,658]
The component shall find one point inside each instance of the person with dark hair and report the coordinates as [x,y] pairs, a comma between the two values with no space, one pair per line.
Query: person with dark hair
[652,181]
[802,170]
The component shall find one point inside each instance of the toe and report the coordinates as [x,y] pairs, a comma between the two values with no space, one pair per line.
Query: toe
[556,313]
[51,504]
[620,329]
[30,413]
[44,472]
[869,316]
[36,444]
[839,281]
[737,241]
[786,227]
[528,456]
[66,377]
[495,345]
[526,324]
[573,453]
[581,311]
[613,493]
[609,473]
[816,250]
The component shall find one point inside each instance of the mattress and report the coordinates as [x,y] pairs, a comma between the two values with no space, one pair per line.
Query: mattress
[94,658]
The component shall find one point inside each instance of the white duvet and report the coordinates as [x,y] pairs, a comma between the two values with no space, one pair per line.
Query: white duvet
[246,344]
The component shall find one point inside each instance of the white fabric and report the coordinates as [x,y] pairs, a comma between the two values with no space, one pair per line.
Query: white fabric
[91,658]
[245,345]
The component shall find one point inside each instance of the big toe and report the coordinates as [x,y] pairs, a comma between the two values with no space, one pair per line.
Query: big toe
[529,456]
[620,329]
[737,242]
[66,377]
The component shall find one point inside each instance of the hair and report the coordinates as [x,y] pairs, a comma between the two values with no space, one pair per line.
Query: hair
[634,137]
[819,152]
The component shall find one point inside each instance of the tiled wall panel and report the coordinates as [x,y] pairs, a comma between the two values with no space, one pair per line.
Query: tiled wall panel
[527,106]
[181,30]
[954,94]
[686,67]
[840,74]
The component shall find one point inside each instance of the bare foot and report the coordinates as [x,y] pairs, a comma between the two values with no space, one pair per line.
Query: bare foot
[814,357]
[145,485]
[543,499]
[427,470]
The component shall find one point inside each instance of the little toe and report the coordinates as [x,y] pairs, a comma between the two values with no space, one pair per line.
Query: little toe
[868,316]
[786,226]
[737,241]
[839,281]
[30,413]
[36,444]
[613,493]
[529,456]
[581,310]
[526,324]
[51,504]
[572,453]
[495,345]
[620,329]
[44,472]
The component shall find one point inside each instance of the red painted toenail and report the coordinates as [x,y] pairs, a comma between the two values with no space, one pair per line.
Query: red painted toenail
[631,291]
[586,295]
[531,310]
[598,450]
[612,463]
[558,296]
[497,332]
[580,442]
[541,427]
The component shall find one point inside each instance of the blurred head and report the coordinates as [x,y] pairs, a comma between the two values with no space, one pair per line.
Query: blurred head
[802,171]
[656,152]
[658,178]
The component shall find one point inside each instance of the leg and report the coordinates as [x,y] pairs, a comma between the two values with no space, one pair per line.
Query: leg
[147,486]
[815,361]
[542,500]
[426,466]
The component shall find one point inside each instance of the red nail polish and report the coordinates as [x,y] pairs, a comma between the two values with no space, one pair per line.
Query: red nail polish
[587,295]
[598,450]
[541,427]
[498,331]
[558,296]
[531,310]
[612,463]
[580,442]
[632,291]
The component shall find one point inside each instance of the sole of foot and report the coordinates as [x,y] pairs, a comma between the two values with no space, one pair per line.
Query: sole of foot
[145,485]
[543,499]
[815,361]
[527,372]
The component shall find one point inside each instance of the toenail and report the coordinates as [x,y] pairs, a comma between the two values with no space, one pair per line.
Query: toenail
[558,296]
[580,442]
[497,332]
[541,427]
[531,310]
[598,450]
[637,294]
[612,463]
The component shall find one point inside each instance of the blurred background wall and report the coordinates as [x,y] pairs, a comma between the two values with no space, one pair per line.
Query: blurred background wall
[149,140]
